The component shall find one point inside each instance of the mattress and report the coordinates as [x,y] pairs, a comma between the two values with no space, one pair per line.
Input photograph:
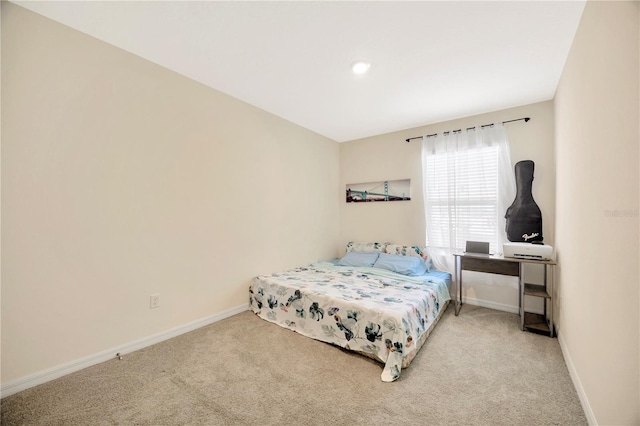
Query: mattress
[381,314]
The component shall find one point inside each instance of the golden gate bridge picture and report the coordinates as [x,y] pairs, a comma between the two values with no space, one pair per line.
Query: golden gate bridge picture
[388,190]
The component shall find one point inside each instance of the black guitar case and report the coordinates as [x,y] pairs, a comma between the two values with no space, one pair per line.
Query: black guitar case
[524,218]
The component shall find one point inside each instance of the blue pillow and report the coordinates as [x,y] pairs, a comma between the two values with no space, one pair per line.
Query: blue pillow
[358,258]
[405,265]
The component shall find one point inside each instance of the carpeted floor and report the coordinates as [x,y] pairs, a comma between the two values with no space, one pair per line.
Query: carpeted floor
[476,369]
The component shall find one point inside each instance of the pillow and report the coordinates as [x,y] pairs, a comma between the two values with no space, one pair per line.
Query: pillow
[415,251]
[366,247]
[356,258]
[405,265]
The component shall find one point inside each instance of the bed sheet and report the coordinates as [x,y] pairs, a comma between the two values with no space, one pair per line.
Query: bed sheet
[369,310]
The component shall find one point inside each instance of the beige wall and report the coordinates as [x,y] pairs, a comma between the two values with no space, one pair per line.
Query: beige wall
[121,179]
[388,157]
[597,210]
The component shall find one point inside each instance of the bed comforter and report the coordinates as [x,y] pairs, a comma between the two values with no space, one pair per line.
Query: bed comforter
[381,314]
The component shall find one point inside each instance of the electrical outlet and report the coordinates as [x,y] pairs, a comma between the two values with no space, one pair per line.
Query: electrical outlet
[154,301]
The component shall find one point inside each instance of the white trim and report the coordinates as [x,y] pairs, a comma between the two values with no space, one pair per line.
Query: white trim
[497,306]
[591,418]
[491,305]
[88,361]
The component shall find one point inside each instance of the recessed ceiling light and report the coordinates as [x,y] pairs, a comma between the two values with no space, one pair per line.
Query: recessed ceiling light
[360,67]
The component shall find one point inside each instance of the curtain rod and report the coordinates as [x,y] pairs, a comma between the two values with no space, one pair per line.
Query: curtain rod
[469,128]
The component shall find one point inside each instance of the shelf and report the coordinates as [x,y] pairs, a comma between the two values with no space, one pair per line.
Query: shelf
[536,290]
[536,322]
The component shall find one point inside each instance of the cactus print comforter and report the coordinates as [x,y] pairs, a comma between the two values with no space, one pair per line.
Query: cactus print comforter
[379,313]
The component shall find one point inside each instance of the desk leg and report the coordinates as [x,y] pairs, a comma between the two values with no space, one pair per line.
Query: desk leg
[458,279]
[521,291]
[550,291]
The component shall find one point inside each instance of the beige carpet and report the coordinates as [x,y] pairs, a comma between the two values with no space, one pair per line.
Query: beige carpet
[476,369]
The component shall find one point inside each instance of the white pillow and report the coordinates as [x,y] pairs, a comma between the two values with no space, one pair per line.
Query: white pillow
[366,246]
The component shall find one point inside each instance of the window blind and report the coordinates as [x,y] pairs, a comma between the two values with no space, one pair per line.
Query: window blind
[462,195]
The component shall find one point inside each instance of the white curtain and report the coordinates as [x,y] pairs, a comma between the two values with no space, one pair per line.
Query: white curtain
[468,184]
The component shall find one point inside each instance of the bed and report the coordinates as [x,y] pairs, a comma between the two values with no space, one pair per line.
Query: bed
[369,301]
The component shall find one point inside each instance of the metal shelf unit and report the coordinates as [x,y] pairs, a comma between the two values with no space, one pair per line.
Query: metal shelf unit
[529,321]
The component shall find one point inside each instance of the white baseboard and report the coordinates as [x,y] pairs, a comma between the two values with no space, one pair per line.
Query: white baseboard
[62,370]
[591,418]
[491,305]
[497,306]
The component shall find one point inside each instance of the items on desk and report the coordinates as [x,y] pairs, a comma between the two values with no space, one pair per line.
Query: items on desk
[527,251]
[477,247]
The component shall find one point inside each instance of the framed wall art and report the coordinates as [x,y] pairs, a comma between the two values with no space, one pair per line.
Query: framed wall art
[386,190]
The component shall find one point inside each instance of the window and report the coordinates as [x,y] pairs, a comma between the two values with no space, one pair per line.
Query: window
[470,198]
[468,184]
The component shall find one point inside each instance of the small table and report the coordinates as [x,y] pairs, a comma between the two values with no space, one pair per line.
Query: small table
[497,264]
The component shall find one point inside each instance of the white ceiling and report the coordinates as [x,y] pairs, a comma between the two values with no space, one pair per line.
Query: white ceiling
[431,61]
